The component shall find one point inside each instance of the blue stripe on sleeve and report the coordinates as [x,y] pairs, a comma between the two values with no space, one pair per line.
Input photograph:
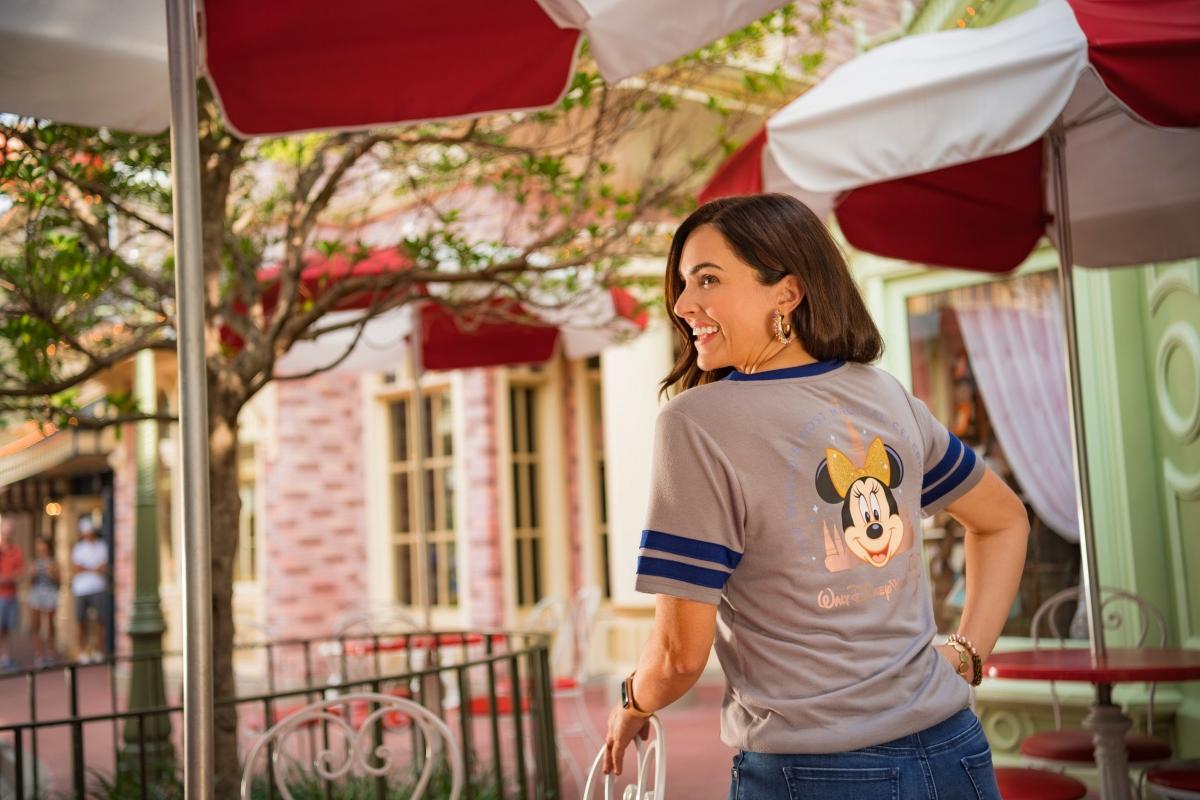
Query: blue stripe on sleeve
[687,573]
[949,459]
[950,484]
[690,548]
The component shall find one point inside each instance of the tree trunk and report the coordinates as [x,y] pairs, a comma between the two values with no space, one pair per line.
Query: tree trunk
[225,510]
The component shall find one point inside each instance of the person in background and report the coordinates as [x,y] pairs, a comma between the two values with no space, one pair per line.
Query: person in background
[89,584]
[12,566]
[44,580]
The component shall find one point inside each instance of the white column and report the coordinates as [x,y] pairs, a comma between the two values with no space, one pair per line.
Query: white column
[631,374]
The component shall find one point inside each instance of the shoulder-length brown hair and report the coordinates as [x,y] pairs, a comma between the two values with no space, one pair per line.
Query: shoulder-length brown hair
[778,236]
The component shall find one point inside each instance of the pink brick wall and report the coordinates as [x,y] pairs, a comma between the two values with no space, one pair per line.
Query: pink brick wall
[313,535]
[479,445]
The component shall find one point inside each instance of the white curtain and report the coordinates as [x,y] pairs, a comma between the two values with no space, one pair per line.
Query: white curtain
[1015,341]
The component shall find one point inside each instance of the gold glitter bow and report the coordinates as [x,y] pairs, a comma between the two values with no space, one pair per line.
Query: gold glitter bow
[843,473]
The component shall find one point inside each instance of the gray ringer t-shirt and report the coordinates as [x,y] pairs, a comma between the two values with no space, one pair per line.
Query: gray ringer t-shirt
[791,499]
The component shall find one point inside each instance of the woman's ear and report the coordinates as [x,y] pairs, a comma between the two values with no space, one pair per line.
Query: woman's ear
[788,294]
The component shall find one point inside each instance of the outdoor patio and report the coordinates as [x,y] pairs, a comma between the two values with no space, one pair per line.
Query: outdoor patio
[353,362]
[698,761]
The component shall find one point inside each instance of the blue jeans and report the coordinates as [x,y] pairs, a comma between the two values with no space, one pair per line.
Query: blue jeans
[948,761]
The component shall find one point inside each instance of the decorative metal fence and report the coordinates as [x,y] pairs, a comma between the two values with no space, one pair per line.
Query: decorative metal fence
[493,689]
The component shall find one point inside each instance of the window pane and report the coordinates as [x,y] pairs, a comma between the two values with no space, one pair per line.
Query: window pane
[530,427]
[445,424]
[534,516]
[519,561]
[401,513]
[953,380]
[601,475]
[431,573]
[427,432]
[430,501]
[517,495]
[452,569]
[448,495]
[513,415]
[399,430]
[535,558]
[604,558]
[404,588]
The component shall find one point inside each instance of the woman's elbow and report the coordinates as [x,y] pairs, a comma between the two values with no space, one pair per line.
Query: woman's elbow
[682,664]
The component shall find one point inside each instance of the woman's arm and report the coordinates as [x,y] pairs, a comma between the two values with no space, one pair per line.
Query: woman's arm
[997,532]
[671,662]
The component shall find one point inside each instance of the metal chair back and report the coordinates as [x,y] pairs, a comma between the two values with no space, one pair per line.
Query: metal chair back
[651,781]
[360,744]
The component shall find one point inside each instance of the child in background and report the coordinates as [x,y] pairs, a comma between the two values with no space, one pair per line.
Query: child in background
[44,580]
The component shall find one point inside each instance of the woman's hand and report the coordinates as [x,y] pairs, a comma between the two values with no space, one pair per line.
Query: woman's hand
[950,654]
[622,727]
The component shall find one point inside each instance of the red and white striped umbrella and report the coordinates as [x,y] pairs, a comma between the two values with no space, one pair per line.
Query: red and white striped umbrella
[310,64]
[931,149]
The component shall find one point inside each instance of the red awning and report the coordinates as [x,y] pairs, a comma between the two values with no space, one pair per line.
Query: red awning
[492,332]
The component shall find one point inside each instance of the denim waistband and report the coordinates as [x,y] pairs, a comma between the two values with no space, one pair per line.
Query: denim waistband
[936,736]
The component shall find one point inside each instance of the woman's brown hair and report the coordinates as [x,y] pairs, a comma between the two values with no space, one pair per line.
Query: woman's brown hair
[778,236]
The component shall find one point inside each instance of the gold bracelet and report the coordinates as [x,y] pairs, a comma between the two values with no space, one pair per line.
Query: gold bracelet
[976,662]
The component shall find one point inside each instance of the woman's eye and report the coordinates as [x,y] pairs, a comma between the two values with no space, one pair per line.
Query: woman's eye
[706,280]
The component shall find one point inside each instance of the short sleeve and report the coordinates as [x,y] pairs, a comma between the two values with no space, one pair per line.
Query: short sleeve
[693,538]
[951,468]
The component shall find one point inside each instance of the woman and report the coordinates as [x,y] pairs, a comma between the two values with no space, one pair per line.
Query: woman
[44,580]
[789,479]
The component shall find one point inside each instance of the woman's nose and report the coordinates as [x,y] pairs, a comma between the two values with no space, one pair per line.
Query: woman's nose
[682,303]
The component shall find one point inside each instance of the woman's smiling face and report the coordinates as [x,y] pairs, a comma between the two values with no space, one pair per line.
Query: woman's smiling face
[726,306]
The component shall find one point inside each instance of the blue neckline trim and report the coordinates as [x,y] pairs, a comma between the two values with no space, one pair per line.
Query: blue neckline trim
[802,371]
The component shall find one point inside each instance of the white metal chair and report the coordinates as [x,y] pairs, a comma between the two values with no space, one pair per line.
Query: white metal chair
[358,744]
[360,627]
[651,783]
[571,626]
[1120,611]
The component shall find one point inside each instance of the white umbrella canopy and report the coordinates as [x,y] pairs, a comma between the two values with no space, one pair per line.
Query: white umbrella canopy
[86,62]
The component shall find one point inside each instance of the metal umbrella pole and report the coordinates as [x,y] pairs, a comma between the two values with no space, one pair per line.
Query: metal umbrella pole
[198,765]
[417,368]
[1090,576]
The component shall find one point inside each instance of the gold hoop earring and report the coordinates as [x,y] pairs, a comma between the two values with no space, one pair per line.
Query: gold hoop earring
[783,327]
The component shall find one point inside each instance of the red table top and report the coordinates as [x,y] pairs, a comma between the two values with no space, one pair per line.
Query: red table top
[1119,665]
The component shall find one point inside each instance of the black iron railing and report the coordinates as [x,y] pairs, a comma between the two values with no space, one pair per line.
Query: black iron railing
[493,689]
